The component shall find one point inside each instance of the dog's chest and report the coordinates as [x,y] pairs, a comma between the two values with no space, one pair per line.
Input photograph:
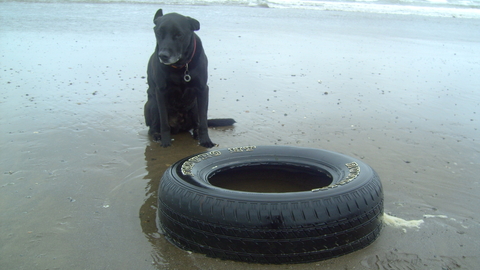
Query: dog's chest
[176,77]
[182,97]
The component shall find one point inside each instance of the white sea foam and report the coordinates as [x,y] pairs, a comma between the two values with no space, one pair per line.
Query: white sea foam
[401,223]
[438,8]
[435,216]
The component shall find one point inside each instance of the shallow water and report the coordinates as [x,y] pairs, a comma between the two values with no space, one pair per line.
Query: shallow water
[271,179]
[80,175]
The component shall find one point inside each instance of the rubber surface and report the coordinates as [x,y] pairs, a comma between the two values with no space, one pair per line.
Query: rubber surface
[274,228]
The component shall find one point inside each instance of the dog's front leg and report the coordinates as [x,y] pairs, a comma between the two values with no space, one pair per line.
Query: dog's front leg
[202,102]
[162,110]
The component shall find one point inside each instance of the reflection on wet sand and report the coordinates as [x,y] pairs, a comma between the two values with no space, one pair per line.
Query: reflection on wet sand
[158,159]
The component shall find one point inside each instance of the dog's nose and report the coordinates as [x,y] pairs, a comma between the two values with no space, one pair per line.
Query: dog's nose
[163,56]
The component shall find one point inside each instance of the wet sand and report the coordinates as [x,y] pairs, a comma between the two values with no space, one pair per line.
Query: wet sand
[79,174]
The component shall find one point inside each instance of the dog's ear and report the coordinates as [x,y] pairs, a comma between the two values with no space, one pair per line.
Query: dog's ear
[157,15]
[194,24]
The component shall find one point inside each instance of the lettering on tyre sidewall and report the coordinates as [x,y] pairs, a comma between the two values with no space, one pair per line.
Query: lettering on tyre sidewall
[188,165]
[353,172]
[241,149]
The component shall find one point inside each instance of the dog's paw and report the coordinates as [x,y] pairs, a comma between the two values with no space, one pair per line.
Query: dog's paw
[166,144]
[208,144]
[166,139]
[156,137]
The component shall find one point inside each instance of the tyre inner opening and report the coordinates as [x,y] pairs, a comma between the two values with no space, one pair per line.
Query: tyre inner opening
[270,178]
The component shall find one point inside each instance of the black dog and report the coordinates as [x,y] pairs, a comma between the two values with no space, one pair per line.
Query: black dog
[177,82]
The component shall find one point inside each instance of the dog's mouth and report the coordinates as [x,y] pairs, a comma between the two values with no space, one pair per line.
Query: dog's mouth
[168,63]
[168,60]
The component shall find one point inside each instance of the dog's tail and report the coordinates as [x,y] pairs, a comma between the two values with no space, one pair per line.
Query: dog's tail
[220,122]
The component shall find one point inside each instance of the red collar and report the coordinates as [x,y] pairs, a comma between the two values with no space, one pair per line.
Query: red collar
[193,54]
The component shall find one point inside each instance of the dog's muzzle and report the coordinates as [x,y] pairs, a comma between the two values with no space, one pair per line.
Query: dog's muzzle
[167,59]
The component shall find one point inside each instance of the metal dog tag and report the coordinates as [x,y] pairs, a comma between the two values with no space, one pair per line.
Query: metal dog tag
[186,76]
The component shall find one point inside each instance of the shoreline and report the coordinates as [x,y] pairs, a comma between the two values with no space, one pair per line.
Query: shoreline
[428,9]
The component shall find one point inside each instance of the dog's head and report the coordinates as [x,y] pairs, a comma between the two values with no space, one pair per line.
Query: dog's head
[174,33]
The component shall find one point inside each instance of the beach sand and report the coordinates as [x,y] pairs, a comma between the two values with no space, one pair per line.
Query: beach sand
[79,174]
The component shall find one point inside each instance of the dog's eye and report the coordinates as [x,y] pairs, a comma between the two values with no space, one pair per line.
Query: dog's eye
[178,36]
